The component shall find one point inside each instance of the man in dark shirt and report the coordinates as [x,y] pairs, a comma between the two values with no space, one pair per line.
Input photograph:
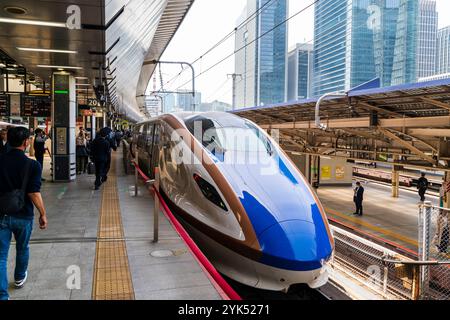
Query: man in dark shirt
[19,224]
[358,198]
[422,186]
[100,153]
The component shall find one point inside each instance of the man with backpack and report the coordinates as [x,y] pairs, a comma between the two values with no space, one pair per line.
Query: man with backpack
[20,184]
[422,186]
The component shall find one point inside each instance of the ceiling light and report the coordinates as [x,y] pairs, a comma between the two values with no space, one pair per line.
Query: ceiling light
[81,78]
[83,84]
[46,50]
[15,10]
[33,22]
[58,67]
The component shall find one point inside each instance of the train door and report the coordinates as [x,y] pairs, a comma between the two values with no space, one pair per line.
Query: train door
[155,149]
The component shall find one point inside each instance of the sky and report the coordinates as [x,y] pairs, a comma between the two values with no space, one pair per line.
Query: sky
[209,21]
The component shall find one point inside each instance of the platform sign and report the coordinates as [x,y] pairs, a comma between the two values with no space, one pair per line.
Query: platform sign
[340,173]
[35,106]
[325,172]
[5,105]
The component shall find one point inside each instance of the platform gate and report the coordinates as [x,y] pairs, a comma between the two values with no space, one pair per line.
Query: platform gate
[434,252]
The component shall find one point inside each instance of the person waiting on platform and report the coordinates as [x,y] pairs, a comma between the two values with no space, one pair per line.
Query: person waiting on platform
[39,147]
[81,152]
[358,198]
[3,141]
[20,187]
[422,186]
[100,151]
[109,136]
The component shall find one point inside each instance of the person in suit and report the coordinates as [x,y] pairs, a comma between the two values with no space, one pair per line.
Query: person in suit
[358,198]
[39,147]
[109,136]
[100,152]
[422,186]
[3,142]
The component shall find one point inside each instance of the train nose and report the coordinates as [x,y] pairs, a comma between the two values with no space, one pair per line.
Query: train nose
[295,245]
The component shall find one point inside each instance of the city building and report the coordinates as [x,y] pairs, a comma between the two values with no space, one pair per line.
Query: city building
[186,102]
[215,106]
[427,39]
[359,40]
[443,51]
[261,54]
[435,77]
[300,68]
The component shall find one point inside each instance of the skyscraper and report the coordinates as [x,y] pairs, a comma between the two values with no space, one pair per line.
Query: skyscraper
[359,40]
[427,39]
[261,54]
[300,63]
[443,51]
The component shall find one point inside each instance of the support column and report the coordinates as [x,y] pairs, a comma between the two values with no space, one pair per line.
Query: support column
[63,127]
[395,178]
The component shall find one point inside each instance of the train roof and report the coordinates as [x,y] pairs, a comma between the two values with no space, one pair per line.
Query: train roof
[224,119]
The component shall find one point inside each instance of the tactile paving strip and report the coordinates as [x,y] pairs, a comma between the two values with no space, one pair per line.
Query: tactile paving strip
[112,277]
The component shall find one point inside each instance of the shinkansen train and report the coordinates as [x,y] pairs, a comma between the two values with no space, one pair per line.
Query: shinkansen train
[239,196]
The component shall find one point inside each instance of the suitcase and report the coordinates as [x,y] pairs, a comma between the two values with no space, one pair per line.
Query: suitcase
[91,168]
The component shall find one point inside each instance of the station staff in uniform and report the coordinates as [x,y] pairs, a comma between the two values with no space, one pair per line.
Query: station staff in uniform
[422,186]
[358,198]
[20,178]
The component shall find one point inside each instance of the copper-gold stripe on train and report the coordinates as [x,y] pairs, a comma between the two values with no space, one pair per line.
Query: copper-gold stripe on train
[236,206]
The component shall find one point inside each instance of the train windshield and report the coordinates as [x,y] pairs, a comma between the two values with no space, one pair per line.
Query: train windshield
[241,136]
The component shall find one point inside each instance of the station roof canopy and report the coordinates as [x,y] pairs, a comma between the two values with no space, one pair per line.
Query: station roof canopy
[410,121]
[116,37]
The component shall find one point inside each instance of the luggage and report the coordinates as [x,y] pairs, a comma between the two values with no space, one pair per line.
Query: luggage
[91,168]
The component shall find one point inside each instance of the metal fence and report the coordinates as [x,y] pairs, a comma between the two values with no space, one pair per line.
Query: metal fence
[434,252]
[385,272]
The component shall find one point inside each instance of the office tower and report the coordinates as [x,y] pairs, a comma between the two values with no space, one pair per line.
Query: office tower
[300,64]
[261,54]
[359,40]
[443,51]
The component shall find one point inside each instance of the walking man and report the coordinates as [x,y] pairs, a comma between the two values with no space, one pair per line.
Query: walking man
[358,198]
[422,186]
[100,151]
[20,186]
[39,147]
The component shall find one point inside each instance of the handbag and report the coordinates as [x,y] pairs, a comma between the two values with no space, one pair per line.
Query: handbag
[91,168]
[14,201]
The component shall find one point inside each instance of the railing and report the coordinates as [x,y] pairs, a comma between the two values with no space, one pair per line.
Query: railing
[387,273]
[224,289]
[434,252]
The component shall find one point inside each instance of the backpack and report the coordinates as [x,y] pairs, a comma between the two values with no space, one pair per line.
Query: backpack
[14,201]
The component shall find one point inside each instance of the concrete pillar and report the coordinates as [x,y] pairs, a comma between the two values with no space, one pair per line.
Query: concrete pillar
[63,127]
[395,177]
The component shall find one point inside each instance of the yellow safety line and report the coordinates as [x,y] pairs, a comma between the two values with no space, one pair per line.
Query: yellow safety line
[112,277]
[370,226]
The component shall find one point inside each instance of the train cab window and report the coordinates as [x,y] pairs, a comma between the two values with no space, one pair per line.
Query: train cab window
[241,136]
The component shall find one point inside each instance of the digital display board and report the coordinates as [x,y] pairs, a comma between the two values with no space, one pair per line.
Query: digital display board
[35,106]
[5,105]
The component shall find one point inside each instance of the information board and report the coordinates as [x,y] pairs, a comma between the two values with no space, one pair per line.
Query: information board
[5,106]
[35,106]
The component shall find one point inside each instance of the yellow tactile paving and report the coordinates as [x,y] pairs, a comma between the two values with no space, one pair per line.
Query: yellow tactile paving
[112,277]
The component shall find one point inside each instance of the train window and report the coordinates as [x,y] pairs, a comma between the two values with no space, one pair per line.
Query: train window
[142,136]
[149,140]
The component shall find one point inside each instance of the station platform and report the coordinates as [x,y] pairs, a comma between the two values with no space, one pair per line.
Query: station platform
[394,219]
[98,245]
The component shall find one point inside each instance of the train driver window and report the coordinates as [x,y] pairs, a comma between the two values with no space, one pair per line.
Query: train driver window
[149,140]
